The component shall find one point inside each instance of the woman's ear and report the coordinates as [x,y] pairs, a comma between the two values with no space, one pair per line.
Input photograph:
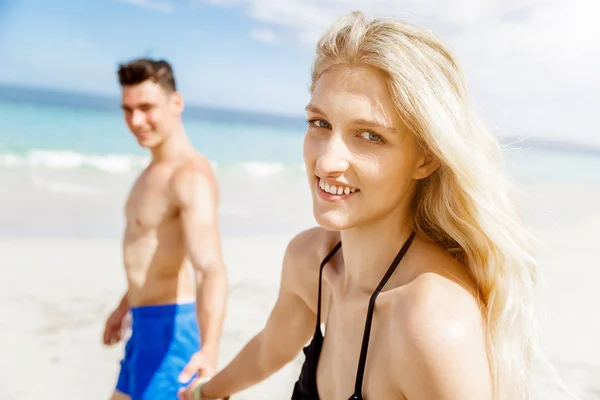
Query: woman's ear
[427,165]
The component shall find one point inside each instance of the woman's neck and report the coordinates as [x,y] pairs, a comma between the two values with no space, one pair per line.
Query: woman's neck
[368,251]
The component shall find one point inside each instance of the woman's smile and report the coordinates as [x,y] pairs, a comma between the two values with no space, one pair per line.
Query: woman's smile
[335,191]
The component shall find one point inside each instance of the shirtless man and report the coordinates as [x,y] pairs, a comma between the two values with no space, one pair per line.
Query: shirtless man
[171,218]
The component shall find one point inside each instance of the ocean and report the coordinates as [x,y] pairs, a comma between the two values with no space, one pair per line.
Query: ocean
[67,161]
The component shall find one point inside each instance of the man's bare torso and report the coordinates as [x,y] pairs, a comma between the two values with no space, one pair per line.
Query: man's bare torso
[154,252]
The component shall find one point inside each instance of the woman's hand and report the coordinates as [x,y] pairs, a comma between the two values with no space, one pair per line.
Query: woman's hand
[193,391]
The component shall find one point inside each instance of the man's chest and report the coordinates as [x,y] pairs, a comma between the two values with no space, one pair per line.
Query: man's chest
[150,203]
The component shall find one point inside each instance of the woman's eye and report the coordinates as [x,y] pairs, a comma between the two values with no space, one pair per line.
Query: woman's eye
[371,137]
[319,123]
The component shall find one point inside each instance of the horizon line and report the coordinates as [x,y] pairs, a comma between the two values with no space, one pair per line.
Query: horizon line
[104,98]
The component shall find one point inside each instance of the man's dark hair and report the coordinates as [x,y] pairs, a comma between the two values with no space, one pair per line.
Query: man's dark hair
[140,70]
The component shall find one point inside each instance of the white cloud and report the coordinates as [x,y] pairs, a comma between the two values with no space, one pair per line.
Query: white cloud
[263,35]
[550,35]
[537,33]
[519,55]
[162,6]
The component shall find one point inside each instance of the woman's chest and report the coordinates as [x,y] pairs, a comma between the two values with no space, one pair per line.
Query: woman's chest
[349,355]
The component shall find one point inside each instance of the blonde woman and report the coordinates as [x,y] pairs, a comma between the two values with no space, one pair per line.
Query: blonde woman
[418,282]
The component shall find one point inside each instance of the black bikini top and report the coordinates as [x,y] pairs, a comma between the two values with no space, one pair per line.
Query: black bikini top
[306,386]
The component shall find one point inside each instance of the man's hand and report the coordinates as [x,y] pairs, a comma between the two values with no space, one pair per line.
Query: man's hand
[113,329]
[202,362]
[205,364]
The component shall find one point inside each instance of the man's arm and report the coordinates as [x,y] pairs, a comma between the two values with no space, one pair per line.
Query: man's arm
[123,304]
[197,194]
[114,323]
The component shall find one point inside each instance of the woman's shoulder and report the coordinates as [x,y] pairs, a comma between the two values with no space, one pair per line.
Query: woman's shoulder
[439,294]
[434,302]
[313,241]
[307,249]
[440,326]
[303,257]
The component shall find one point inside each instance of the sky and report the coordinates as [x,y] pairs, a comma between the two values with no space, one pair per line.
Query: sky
[531,65]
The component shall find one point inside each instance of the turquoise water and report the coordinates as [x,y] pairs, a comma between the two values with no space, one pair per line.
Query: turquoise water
[41,129]
[56,136]
[67,162]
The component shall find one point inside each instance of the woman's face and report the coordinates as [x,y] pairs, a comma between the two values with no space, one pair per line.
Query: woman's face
[361,159]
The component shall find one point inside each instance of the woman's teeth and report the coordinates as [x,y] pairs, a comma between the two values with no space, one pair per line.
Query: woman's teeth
[333,189]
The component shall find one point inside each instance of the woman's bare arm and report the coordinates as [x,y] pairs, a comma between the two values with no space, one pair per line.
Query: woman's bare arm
[287,330]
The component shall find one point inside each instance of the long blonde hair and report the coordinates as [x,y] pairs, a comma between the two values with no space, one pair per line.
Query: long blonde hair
[465,206]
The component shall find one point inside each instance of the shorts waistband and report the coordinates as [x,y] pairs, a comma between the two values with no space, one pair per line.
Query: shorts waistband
[162,310]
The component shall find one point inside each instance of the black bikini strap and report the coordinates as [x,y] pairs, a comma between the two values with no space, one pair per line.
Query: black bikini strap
[325,261]
[365,343]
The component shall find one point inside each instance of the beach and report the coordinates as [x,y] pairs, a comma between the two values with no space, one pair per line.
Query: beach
[65,174]
[80,121]
[57,291]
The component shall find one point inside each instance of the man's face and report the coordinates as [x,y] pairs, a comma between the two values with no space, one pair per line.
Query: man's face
[151,113]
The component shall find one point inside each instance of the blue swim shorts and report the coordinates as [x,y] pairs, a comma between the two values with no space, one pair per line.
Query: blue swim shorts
[163,339]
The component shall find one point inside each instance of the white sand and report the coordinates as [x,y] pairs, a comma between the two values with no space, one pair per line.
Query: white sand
[56,293]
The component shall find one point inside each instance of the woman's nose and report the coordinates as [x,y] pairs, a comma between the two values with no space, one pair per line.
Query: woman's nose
[333,159]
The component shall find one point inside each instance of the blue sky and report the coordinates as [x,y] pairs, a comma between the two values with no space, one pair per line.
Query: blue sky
[77,45]
[531,64]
